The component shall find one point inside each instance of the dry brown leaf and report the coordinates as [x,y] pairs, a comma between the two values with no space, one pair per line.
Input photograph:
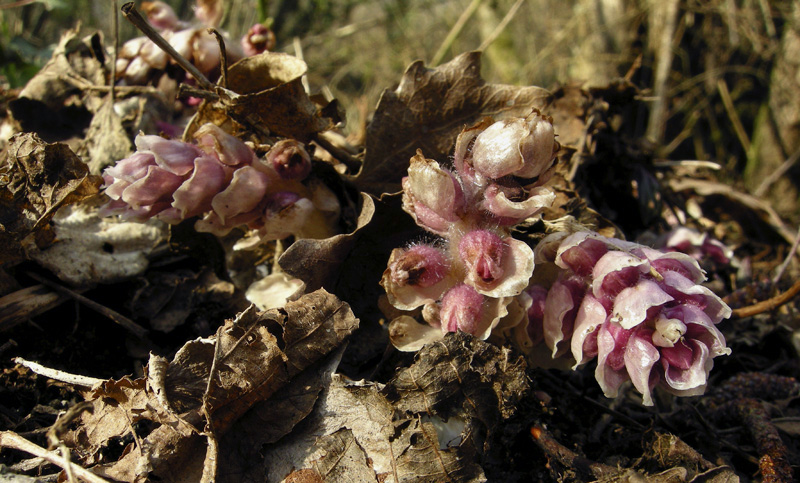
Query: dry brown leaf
[460,375]
[396,449]
[39,179]
[428,110]
[106,140]
[271,96]
[256,355]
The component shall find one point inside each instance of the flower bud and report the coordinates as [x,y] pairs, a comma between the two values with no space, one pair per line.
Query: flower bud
[482,252]
[161,16]
[432,195]
[257,40]
[420,265]
[462,308]
[520,147]
[290,159]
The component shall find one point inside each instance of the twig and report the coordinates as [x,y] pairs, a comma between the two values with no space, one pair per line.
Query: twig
[779,273]
[725,94]
[10,439]
[454,32]
[686,163]
[223,56]
[210,462]
[501,26]
[56,375]
[553,449]
[113,315]
[133,15]
[705,188]
[115,53]
[353,164]
[777,174]
[767,305]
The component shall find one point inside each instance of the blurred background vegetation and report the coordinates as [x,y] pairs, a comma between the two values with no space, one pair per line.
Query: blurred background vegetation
[718,79]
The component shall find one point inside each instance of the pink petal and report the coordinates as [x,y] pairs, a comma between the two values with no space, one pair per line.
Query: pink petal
[640,357]
[157,185]
[131,168]
[609,378]
[686,368]
[632,304]
[615,271]
[561,307]
[174,156]
[591,314]
[194,195]
[582,257]
[708,300]
[245,192]
[229,149]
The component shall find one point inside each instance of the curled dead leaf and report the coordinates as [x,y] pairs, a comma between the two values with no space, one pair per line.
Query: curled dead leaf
[39,178]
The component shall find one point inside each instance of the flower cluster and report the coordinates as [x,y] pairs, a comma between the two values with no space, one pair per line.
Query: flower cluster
[466,279]
[221,179]
[141,61]
[700,246]
[641,312]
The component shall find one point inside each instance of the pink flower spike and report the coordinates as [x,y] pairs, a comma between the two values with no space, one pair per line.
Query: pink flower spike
[462,308]
[229,149]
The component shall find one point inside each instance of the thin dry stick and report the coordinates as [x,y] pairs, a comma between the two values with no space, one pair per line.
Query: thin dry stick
[10,439]
[727,101]
[56,375]
[223,56]
[777,174]
[501,26]
[133,15]
[767,305]
[113,80]
[113,315]
[785,264]
[210,462]
[454,32]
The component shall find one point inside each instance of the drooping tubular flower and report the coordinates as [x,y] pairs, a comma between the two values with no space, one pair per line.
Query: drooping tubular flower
[642,313]
[480,268]
[222,180]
